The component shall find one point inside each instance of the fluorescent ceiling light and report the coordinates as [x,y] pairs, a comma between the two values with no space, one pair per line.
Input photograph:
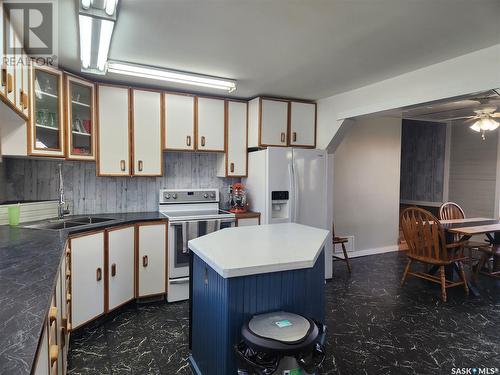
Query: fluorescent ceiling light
[85,39]
[170,76]
[104,41]
[110,6]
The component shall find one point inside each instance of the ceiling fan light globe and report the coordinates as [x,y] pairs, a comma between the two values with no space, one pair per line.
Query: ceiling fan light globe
[476,127]
[494,124]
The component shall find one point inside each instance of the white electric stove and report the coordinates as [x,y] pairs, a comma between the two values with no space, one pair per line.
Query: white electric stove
[191,213]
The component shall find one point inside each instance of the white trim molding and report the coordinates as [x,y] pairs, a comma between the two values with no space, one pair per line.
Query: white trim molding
[377,250]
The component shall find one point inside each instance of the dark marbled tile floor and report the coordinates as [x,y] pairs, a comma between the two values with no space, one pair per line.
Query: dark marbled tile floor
[375,327]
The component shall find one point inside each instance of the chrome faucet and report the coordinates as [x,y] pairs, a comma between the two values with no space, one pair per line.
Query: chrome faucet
[61,210]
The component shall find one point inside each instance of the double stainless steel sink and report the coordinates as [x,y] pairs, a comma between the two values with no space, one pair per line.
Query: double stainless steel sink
[58,224]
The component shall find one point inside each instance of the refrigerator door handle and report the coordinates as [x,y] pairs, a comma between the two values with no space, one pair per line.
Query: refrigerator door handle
[292,189]
[295,192]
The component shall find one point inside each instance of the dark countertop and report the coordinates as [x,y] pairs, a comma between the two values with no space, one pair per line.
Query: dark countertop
[29,263]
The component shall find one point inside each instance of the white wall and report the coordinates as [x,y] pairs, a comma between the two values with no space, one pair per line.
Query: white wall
[474,72]
[366,184]
[473,170]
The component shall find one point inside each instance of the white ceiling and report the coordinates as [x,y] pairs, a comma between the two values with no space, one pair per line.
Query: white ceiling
[292,48]
[446,110]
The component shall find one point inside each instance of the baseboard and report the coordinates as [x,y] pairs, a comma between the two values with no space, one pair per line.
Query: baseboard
[378,250]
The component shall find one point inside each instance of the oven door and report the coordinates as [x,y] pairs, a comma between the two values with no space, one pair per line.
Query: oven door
[178,236]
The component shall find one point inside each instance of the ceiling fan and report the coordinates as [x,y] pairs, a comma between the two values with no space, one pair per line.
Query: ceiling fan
[485,117]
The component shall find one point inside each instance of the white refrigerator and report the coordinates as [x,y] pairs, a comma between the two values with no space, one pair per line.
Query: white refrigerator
[290,185]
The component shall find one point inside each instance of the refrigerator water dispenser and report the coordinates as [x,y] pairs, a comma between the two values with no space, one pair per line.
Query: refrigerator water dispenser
[279,204]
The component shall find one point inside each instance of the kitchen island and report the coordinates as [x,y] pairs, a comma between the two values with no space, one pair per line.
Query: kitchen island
[239,272]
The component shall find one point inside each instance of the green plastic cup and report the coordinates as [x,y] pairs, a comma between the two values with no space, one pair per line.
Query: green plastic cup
[14,212]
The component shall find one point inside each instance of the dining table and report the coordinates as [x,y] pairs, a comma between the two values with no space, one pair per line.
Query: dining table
[474,226]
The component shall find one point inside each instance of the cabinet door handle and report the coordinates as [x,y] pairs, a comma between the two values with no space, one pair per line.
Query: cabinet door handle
[145,261]
[283,137]
[68,297]
[122,165]
[52,315]
[231,167]
[295,136]
[140,165]
[54,354]
[10,83]
[25,100]
[188,140]
[113,270]
[203,141]
[98,274]
[4,76]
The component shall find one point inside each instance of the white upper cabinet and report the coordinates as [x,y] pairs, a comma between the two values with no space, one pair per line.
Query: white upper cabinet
[234,162]
[25,92]
[121,256]
[210,124]
[9,69]
[179,122]
[268,122]
[302,124]
[147,133]
[113,130]
[273,122]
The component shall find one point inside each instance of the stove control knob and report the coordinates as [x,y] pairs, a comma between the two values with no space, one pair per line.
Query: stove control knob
[167,196]
[205,195]
[212,195]
[174,196]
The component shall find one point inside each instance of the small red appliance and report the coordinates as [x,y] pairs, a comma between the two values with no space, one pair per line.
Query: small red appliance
[237,198]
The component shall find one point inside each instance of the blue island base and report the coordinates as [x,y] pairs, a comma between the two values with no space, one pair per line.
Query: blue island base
[219,307]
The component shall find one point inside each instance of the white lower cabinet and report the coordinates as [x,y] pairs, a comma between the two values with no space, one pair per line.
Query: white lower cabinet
[87,277]
[248,221]
[120,265]
[152,259]
[42,356]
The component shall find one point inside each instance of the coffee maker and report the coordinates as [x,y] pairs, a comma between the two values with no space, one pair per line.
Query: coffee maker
[237,198]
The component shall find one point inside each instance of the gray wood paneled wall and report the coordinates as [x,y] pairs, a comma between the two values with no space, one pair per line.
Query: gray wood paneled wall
[473,170]
[29,179]
[422,160]
[3,182]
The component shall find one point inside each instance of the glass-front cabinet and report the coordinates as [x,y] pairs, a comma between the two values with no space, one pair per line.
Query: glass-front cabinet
[80,122]
[47,130]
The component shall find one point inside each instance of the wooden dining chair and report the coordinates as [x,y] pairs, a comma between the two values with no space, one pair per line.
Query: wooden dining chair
[342,241]
[426,242]
[451,211]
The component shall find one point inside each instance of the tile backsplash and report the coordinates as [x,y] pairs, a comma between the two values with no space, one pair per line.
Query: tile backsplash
[30,179]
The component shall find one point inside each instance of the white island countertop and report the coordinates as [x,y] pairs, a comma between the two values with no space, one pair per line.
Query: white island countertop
[257,249]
